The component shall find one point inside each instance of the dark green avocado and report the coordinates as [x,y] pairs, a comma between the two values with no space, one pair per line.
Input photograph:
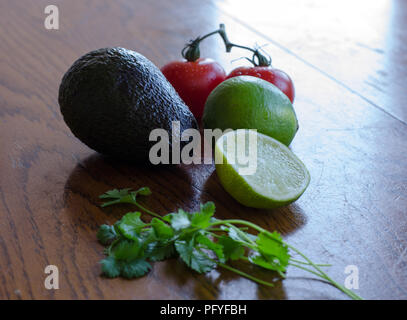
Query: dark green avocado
[112,99]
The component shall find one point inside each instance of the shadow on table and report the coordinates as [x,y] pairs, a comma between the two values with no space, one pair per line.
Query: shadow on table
[285,220]
[224,284]
[221,283]
[172,189]
[96,174]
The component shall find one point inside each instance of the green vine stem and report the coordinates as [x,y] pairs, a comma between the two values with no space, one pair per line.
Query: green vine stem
[261,59]
[191,52]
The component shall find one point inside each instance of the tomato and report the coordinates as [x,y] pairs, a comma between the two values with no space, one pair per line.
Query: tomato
[277,77]
[194,81]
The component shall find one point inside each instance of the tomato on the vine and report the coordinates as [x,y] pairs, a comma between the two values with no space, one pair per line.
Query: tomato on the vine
[195,78]
[194,81]
[277,77]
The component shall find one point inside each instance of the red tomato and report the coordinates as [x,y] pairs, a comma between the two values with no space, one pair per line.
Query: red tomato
[277,77]
[194,81]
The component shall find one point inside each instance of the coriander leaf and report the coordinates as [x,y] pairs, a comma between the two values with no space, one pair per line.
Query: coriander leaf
[271,246]
[240,236]
[202,218]
[147,239]
[167,217]
[115,194]
[270,263]
[271,253]
[135,268]
[130,225]
[232,249]
[194,258]
[148,236]
[106,234]
[252,237]
[180,220]
[123,195]
[209,244]
[157,251]
[161,229]
[118,196]
[126,250]
[116,227]
[208,207]
[144,191]
[110,267]
[126,199]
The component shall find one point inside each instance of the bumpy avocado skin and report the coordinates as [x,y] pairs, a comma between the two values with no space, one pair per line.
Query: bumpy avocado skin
[112,98]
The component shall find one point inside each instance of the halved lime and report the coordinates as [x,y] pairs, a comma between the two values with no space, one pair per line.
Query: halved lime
[261,174]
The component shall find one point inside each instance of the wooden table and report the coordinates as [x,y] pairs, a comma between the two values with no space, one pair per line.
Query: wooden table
[349,63]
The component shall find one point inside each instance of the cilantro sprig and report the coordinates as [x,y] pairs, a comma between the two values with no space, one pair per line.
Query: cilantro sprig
[201,241]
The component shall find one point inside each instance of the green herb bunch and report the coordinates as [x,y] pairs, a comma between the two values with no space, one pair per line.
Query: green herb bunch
[200,240]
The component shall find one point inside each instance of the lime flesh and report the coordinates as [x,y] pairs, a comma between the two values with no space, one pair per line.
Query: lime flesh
[279,177]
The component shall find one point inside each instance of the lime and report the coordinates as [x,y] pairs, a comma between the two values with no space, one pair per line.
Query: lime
[263,174]
[251,103]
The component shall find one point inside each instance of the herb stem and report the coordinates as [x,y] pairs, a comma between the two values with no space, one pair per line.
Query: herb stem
[251,243]
[222,230]
[238,221]
[308,270]
[306,263]
[244,274]
[325,276]
[319,272]
[151,213]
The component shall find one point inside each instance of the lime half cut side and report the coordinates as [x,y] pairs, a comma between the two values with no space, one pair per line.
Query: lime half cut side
[259,171]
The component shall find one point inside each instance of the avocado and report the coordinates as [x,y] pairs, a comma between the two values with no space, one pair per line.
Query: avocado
[112,98]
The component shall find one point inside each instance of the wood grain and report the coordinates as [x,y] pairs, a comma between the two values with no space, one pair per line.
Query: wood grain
[352,141]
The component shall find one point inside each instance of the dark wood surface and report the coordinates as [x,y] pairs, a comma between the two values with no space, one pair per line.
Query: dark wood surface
[348,62]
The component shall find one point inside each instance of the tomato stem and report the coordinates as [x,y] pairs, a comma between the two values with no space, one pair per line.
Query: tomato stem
[191,51]
[262,60]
